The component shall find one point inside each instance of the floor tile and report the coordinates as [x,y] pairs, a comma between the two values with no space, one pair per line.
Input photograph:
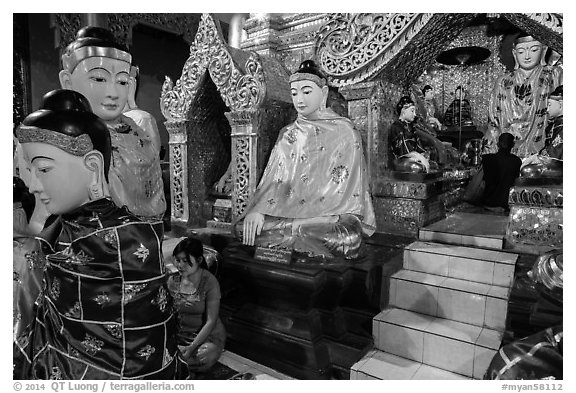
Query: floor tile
[453,329]
[471,269]
[499,292]
[482,358]
[386,366]
[416,297]
[409,319]
[467,286]
[489,338]
[495,317]
[503,274]
[426,262]
[447,354]
[461,306]
[400,341]
[426,372]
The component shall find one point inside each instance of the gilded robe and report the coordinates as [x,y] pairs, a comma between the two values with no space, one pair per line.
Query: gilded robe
[316,169]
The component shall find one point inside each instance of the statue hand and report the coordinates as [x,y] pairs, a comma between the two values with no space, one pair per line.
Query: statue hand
[420,159]
[253,224]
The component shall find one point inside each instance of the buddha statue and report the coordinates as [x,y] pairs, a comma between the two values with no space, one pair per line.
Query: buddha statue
[431,108]
[410,148]
[459,111]
[519,99]
[98,67]
[549,161]
[313,196]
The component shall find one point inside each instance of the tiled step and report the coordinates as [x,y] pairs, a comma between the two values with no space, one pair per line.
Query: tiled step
[459,300]
[452,346]
[381,365]
[466,263]
[487,241]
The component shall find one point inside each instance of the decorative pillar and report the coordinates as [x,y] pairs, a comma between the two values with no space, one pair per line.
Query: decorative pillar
[245,125]
[178,155]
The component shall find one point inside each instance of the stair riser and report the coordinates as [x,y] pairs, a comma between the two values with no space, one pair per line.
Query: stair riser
[474,309]
[487,272]
[434,350]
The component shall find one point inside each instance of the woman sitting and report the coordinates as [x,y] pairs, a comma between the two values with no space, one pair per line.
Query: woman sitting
[196,293]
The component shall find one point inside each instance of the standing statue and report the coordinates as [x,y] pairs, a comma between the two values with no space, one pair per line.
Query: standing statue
[431,108]
[99,68]
[313,196]
[519,99]
[103,310]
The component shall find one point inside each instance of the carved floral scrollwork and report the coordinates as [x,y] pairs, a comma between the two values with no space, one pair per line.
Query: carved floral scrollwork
[177,189]
[239,90]
[552,21]
[353,47]
[242,169]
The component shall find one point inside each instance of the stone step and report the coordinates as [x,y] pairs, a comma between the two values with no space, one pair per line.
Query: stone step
[381,365]
[449,345]
[451,298]
[466,263]
[486,241]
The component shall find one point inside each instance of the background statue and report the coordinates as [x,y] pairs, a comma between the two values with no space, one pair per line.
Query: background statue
[519,99]
[431,108]
[452,117]
[104,310]
[313,196]
[99,68]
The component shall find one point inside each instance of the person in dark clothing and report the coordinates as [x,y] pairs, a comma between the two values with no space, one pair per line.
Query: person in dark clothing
[500,171]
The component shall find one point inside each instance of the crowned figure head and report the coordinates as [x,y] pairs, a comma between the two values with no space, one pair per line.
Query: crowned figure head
[67,149]
[99,67]
[309,89]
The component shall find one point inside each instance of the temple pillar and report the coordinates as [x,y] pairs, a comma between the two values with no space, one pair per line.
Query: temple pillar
[178,154]
[245,125]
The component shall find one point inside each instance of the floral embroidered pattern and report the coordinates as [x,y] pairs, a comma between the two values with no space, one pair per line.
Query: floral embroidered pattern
[16,277]
[339,174]
[115,330]
[80,258]
[146,351]
[35,260]
[109,236]
[304,178]
[131,290]
[142,252]
[102,299]
[303,157]
[271,201]
[291,135]
[92,345]
[74,312]
[55,289]
[161,300]
[56,373]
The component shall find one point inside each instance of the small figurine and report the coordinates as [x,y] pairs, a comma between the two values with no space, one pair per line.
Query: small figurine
[313,196]
[430,106]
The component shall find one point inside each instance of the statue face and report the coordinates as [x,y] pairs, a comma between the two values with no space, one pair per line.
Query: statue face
[429,94]
[408,114]
[104,81]
[60,179]
[528,54]
[554,108]
[307,97]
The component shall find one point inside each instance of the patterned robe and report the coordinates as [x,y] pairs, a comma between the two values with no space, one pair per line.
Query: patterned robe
[316,169]
[104,310]
[518,106]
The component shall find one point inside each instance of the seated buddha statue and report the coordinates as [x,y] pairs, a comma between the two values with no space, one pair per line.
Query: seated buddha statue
[313,196]
[412,149]
[459,111]
[548,162]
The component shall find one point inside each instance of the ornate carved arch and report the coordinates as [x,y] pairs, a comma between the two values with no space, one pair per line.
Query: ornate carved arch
[240,88]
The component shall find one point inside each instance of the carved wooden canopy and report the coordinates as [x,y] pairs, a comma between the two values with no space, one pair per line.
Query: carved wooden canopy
[353,48]
[244,79]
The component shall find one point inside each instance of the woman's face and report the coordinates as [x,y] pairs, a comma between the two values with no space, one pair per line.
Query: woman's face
[307,97]
[104,82]
[61,180]
[185,268]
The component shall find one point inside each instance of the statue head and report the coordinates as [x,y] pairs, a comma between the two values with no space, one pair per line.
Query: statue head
[428,92]
[555,102]
[528,53]
[67,150]
[459,93]
[406,109]
[95,65]
[309,90]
